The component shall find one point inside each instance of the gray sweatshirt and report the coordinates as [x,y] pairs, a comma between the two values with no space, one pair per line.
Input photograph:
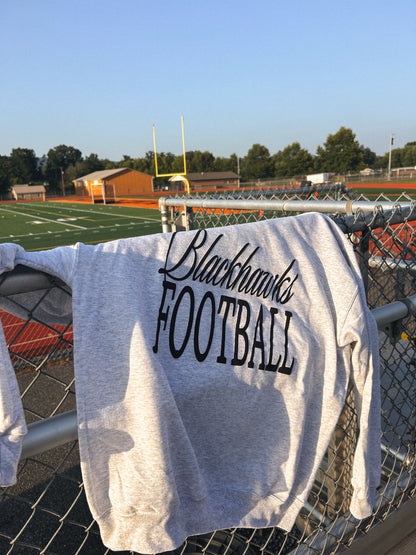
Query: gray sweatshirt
[211,368]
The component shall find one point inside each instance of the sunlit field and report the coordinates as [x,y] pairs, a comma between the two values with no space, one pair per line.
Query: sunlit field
[43,225]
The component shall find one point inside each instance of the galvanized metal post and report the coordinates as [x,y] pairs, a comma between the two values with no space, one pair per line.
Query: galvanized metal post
[340,458]
[364,252]
[164,214]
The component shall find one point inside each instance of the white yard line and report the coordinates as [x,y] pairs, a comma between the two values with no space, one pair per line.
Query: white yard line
[17,213]
[90,229]
[112,214]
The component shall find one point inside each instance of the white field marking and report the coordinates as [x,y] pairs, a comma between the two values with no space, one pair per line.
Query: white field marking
[114,214]
[42,218]
[100,228]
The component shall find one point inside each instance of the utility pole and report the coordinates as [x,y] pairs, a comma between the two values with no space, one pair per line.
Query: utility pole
[391,143]
[62,182]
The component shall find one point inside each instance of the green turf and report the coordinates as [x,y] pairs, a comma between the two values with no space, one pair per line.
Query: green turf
[393,194]
[43,225]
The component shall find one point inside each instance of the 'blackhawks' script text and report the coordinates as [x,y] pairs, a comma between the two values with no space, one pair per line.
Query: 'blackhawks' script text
[250,334]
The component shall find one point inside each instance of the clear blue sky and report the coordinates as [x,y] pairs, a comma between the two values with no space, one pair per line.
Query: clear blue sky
[97,74]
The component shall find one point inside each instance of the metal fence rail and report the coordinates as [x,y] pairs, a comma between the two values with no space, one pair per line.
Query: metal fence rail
[46,511]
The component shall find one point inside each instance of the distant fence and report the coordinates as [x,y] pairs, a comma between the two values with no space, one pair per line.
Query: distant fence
[380,176]
[46,511]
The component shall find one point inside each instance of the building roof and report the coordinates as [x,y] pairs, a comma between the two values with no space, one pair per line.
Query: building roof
[21,189]
[103,174]
[208,176]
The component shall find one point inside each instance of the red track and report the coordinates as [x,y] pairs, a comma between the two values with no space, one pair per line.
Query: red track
[35,339]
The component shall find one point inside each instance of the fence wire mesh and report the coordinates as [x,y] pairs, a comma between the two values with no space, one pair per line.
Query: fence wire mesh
[46,511]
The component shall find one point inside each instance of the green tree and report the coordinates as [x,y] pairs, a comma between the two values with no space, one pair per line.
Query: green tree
[381,162]
[126,162]
[341,153]
[108,164]
[227,164]
[257,163]
[23,166]
[178,163]
[58,161]
[83,167]
[292,160]
[165,162]
[201,162]
[5,174]
[397,160]
[91,164]
[369,157]
[63,156]
[146,164]
[409,154]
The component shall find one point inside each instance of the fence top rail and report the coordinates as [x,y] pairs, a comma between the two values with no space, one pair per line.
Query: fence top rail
[325,206]
[18,281]
[62,428]
[24,280]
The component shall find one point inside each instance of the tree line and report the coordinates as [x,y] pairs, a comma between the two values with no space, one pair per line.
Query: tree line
[340,153]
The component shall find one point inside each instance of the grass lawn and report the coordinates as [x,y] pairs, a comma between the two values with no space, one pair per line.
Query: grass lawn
[393,191]
[43,225]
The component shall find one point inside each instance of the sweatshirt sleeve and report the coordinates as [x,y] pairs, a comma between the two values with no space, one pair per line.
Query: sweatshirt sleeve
[361,332]
[56,307]
[58,262]
[12,420]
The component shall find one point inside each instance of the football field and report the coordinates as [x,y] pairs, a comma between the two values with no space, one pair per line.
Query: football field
[44,225]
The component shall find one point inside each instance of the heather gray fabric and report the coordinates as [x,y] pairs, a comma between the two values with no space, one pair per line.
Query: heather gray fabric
[211,368]
[12,420]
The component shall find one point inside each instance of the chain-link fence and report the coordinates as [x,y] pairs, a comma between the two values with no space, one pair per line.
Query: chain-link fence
[46,511]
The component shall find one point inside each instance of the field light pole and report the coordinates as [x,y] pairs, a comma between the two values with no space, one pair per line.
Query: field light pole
[62,182]
[391,143]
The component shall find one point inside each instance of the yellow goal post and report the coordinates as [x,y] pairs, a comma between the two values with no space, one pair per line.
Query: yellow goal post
[177,174]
